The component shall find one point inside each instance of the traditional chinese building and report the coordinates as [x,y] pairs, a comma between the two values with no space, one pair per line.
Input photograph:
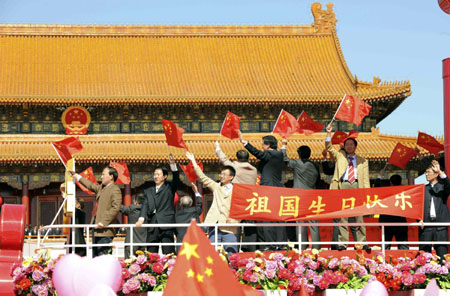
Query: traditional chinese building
[128,78]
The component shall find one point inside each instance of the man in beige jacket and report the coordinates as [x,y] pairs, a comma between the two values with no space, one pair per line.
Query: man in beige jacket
[245,174]
[219,212]
[351,171]
[107,206]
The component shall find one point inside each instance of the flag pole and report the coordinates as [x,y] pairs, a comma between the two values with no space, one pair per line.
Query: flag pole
[59,156]
[277,120]
[334,116]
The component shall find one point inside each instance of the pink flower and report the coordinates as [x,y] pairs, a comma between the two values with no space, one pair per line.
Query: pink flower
[134,268]
[407,278]
[141,259]
[419,278]
[253,278]
[133,284]
[153,257]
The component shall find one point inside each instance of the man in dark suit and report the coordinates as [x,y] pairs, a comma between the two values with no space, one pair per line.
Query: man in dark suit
[106,208]
[133,212]
[158,207]
[306,176]
[270,167]
[399,232]
[435,209]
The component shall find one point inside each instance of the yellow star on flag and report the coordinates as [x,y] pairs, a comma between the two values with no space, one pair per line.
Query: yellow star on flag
[209,260]
[200,278]
[190,273]
[189,250]
[208,272]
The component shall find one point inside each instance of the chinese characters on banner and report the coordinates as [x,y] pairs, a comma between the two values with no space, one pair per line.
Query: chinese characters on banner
[267,203]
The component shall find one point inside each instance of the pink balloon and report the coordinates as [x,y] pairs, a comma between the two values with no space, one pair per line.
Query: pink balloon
[102,290]
[432,288]
[63,274]
[103,270]
[374,288]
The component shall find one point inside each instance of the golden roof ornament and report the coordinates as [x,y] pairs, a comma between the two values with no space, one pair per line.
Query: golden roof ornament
[324,20]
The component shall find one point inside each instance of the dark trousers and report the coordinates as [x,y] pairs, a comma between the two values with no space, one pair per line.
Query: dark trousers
[432,233]
[400,233]
[271,234]
[98,251]
[248,235]
[158,235]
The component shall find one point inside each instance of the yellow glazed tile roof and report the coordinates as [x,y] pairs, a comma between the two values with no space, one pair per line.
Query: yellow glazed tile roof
[74,64]
[143,148]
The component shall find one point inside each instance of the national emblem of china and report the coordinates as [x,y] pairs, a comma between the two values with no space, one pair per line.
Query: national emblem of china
[76,120]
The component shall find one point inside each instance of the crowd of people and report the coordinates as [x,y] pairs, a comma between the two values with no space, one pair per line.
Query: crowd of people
[345,168]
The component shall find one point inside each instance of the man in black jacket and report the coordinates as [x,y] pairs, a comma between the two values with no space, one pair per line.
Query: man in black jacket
[158,207]
[133,212]
[270,166]
[435,209]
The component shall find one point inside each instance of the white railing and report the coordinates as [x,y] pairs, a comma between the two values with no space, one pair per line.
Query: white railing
[89,245]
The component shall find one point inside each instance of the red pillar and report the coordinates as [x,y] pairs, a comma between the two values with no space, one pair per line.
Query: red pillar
[126,200]
[446,77]
[26,202]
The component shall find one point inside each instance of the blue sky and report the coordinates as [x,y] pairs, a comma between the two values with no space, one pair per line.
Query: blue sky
[393,40]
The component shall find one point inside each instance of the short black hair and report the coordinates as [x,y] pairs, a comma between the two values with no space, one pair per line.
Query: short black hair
[163,169]
[230,169]
[139,197]
[354,141]
[242,155]
[396,180]
[271,141]
[112,172]
[304,152]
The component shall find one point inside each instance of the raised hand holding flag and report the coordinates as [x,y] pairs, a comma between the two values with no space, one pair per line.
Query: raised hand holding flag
[174,134]
[230,126]
[286,124]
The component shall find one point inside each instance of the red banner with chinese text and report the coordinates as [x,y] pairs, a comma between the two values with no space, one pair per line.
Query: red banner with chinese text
[266,203]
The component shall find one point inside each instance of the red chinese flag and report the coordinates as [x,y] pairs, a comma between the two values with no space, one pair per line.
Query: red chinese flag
[338,137]
[308,126]
[200,270]
[174,134]
[286,125]
[230,126]
[429,143]
[89,175]
[352,110]
[67,147]
[401,155]
[189,171]
[122,171]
